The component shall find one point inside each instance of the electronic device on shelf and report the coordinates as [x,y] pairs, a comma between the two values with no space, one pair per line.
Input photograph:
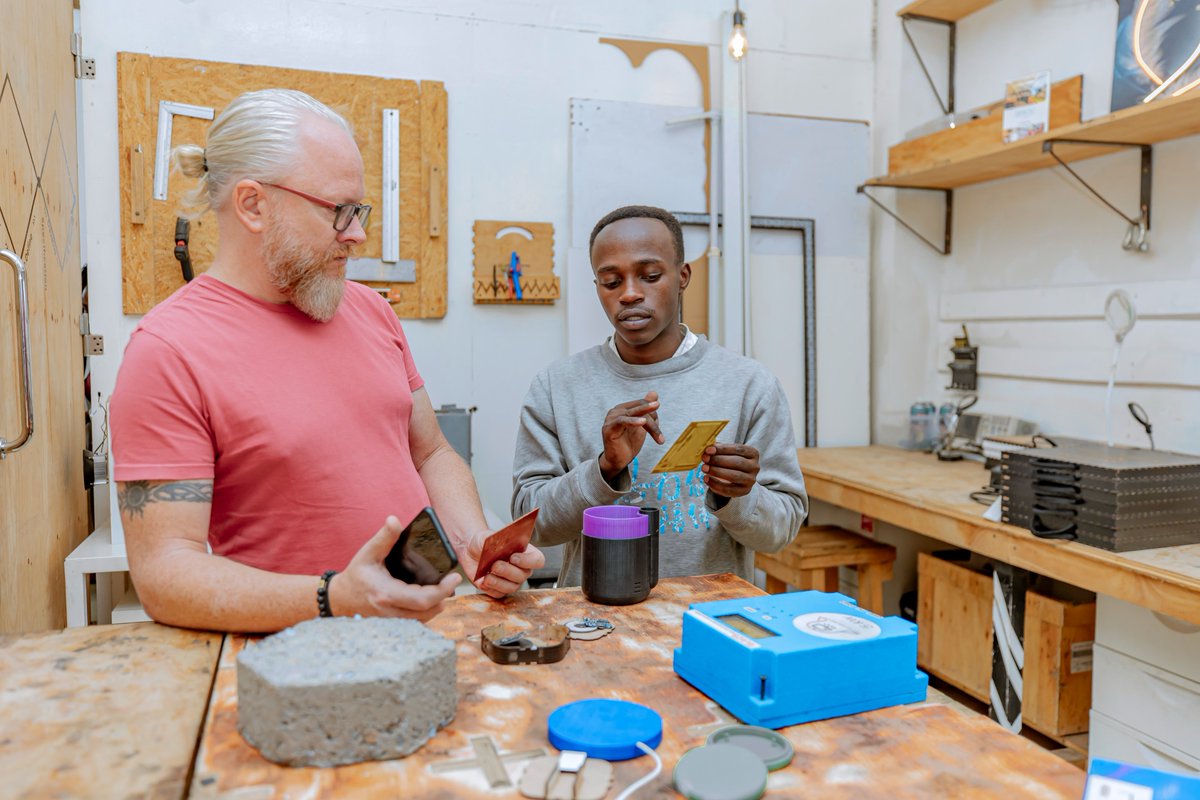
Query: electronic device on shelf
[975,428]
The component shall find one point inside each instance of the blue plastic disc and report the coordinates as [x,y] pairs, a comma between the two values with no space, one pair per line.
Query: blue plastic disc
[603,728]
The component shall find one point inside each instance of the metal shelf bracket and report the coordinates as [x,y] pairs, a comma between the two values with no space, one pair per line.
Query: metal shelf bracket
[952,30]
[948,194]
[1136,233]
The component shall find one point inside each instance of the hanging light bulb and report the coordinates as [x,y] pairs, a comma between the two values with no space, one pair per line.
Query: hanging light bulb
[737,39]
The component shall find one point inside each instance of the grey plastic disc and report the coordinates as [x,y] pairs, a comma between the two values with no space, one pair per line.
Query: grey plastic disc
[720,772]
[772,747]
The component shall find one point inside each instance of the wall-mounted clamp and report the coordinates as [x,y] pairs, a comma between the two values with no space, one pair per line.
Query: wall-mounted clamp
[947,236]
[1136,233]
[182,227]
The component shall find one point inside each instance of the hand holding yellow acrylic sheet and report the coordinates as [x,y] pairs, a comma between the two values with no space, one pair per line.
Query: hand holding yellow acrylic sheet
[685,454]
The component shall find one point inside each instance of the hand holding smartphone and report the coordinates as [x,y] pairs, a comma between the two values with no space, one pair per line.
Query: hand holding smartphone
[422,555]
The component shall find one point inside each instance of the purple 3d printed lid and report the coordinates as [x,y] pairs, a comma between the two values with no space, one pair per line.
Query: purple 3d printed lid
[615,522]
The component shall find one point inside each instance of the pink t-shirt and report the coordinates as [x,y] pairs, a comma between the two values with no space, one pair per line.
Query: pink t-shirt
[301,425]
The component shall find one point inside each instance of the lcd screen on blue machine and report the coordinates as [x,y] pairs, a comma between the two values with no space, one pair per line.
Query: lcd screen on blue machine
[746,626]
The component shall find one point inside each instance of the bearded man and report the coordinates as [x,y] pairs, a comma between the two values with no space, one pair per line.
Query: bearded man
[268,417]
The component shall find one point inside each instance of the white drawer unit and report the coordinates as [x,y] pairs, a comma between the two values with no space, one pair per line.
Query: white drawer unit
[1166,642]
[1145,688]
[1110,739]
[1161,704]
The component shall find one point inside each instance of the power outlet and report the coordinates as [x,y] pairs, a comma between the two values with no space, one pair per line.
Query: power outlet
[93,345]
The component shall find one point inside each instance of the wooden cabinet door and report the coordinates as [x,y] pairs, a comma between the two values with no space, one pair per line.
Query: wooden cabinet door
[43,504]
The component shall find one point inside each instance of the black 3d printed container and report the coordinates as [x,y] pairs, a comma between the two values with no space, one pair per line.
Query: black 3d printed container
[620,554]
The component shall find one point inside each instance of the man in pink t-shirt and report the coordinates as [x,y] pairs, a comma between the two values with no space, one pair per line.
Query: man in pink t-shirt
[271,410]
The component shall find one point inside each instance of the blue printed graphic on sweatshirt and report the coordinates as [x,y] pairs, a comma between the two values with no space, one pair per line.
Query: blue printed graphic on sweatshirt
[668,491]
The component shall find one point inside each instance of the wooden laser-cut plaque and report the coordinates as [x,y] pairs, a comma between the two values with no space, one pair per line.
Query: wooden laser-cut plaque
[495,243]
[149,269]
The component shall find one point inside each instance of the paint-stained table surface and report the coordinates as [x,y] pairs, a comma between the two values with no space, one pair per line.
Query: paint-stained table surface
[929,749]
[103,711]
[916,491]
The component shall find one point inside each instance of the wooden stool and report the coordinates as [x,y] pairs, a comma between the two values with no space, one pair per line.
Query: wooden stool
[811,561]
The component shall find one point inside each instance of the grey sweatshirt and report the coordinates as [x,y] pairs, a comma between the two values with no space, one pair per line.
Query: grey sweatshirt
[557,466]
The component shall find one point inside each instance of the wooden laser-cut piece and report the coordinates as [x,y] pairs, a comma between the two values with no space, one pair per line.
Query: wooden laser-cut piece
[137,189]
[494,245]
[489,759]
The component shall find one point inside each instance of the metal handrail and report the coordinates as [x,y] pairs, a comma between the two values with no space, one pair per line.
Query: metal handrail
[18,266]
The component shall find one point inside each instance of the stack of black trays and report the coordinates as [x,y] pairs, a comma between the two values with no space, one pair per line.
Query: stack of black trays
[1110,497]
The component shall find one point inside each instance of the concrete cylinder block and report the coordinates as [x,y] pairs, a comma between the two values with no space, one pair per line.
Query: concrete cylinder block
[341,690]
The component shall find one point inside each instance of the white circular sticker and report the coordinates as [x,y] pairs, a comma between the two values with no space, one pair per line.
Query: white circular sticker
[836,626]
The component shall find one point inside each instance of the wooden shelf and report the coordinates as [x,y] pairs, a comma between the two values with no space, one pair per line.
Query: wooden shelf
[1151,123]
[945,10]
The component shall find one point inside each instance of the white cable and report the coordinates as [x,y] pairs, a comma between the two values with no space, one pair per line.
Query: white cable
[1112,379]
[633,787]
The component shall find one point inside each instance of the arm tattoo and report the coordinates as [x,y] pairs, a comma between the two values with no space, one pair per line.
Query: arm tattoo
[134,496]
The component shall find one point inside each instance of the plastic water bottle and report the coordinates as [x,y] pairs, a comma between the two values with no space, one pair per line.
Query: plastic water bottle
[945,419]
[922,424]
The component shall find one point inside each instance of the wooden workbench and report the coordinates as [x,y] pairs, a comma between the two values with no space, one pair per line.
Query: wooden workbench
[919,750]
[916,491]
[117,711]
[104,711]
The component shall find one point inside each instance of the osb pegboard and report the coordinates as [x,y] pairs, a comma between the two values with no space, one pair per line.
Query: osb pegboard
[495,242]
[149,269]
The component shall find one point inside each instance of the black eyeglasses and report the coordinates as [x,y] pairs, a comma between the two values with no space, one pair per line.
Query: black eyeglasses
[342,212]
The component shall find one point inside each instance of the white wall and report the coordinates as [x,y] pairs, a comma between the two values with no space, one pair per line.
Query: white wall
[1034,255]
[510,68]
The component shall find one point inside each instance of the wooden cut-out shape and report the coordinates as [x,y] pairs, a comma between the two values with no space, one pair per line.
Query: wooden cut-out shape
[543,780]
[514,262]
[489,759]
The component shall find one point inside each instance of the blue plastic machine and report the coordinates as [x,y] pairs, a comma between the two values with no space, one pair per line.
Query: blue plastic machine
[783,659]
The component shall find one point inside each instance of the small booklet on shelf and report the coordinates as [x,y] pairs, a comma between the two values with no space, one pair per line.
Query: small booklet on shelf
[1026,106]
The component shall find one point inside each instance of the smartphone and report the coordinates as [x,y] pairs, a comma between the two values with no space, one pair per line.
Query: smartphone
[422,555]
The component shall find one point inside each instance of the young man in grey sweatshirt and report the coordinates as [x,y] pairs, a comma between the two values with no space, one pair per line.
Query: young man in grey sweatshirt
[595,423]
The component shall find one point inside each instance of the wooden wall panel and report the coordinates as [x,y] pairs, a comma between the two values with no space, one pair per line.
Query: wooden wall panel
[150,271]
[43,506]
[1059,334]
[433,194]
[137,115]
[695,298]
[1166,298]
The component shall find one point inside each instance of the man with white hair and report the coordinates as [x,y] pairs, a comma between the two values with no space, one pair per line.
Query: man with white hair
[273,411]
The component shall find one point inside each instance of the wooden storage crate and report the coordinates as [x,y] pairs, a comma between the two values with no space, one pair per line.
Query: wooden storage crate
[954,624]
[954,643]
[1058,663]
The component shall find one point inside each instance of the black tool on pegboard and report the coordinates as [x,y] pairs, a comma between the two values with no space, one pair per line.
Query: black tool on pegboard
[182,228]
